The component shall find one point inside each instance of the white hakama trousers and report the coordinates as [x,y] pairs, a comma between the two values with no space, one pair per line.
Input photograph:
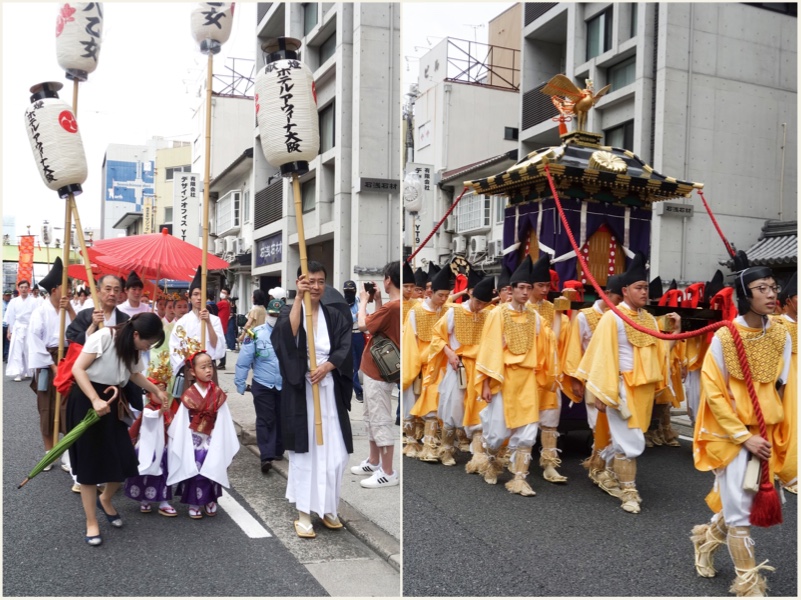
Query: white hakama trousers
[315,477]
[451,400]
[493,423]
[692,391]
[17,365]
[735,500]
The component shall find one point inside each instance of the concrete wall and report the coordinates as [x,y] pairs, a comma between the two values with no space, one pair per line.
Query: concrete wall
[504,32]
[232,124]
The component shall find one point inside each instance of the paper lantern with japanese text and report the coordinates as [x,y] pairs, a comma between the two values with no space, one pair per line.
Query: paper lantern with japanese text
[79,29]
[55,140]
[211,25]
[286,109]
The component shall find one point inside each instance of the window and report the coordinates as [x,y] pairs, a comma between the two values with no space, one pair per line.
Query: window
[328,47]
[622,74]
[599,34]
[172,170]
[309,17]
[621,136]
[227,213]
[308,200]
[474,213]
[168,214]
[327,124]
[633,22]
[500,208]
[246,207]
[511,133]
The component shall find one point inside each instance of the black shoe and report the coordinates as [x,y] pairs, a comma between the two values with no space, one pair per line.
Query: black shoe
[266,465]
[397,421]
[359,398]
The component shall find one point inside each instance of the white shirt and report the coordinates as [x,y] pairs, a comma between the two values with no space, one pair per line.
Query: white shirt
[585,333]
[20,310]
[131,311]
[107,368]
[191,325]
[43,333]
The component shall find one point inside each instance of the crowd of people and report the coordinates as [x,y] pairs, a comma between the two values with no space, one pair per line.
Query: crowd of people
[150,372]
[486,368]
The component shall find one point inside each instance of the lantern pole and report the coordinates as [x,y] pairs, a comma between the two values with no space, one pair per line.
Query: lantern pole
[204,258]
[62,319]
[304,269]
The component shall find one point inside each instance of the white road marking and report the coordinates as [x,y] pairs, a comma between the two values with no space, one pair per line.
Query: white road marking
[241,517]
[684,437]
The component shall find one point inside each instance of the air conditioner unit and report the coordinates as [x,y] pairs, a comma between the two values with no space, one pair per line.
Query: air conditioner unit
[459,244]
[478,243]
[241,246]
[219,246]
[450,224]
[230,244]
[495,248]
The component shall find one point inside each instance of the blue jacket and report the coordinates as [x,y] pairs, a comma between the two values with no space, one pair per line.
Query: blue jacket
[258,355]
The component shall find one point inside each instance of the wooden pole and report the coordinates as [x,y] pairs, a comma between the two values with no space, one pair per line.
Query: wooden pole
[62,323]
[204,258]
[304,269]
[84,253]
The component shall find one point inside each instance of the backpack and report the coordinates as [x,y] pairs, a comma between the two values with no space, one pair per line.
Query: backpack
[241,320]
[386,358]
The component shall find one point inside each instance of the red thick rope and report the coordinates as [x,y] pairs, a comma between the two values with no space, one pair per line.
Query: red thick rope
[715,223]
[437,226]
[766,510]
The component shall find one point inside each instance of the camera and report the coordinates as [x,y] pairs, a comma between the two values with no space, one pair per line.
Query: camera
[369,288]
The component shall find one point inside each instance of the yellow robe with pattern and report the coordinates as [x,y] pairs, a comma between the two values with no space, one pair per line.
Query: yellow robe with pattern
[787,435]
[432,370]
[548,395]
[571,358]
[600,369]
[674,393]
[414,351]
[518,377]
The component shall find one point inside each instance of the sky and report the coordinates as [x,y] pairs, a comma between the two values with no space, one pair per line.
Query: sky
[145,85]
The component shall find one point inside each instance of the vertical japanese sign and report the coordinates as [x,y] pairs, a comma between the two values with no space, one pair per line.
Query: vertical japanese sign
[25,270]
[186,203]
[147,215]
[425,173]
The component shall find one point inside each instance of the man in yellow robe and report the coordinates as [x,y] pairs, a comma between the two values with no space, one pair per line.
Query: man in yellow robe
[408,286]
[624,368]
[789,431]
[515,359]
[599,465]
[417,360]
[550,399]
[457,335]
[726,430]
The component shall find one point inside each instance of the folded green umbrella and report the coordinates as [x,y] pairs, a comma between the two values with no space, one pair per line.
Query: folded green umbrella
[68,440]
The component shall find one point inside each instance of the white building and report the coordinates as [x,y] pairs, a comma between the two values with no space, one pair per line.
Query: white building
[350,196]
[701,92]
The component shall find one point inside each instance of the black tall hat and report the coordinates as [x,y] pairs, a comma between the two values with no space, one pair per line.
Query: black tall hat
[636,271]
[420,278]
[541,270]
[474,278]
[442,280]
[655,288]
[673,285]
[614,284]
[522,273]
[503,279]
[133,281]
[483,289]
[196,281]
[53,279]
[789,289]
[407,274]
[433,269]
[714,286]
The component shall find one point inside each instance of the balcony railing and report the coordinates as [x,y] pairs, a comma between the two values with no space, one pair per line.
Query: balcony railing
[537,107]
[534,10]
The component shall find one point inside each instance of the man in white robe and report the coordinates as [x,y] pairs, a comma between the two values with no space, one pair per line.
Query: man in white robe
[18,316]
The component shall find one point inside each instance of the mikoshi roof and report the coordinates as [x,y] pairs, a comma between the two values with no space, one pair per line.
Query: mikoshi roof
[583,169]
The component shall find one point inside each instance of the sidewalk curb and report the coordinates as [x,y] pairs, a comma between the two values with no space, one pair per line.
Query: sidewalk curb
[378,540]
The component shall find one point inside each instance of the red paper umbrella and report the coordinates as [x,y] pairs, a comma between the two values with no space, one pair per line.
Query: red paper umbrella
[153,256]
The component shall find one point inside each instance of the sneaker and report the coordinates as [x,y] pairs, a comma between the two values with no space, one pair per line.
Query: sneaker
[359,398]
[18,378]
[365,468]
[379,479]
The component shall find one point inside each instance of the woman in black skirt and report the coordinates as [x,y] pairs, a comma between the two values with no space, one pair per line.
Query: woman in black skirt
[104,453]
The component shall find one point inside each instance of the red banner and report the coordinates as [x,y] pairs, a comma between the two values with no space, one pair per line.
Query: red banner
[25,269]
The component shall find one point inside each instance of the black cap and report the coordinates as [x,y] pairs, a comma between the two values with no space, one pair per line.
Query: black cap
[655,288]
[443,280]
[433,269]
[789,289]
[522,273]
[474,278]
[483,289]
[636,271]
[349,285]
[541,270]
[614,284]
[407,275]
[53,279]
[714,286]
[133,281]
[503,279]
[196,281]
[420,278]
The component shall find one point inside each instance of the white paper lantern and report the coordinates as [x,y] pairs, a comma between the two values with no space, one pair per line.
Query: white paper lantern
[55,140]
[79,29]
[211,25]
[286,109]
